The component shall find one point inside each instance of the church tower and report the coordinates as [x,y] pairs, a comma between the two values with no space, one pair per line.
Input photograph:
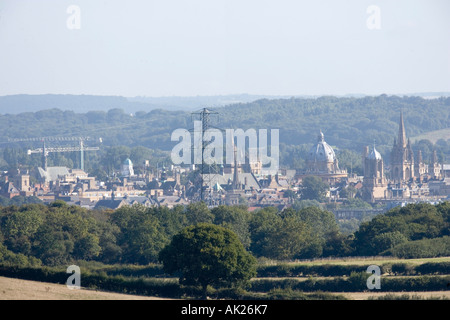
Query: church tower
[421,169]
[435,167]
[374,182]
[402,157]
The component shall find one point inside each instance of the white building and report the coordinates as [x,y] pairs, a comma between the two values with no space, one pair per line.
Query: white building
[127,168]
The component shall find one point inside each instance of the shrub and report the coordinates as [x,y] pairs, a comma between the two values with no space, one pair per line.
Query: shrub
[425,248]
[433,268]
[403,268]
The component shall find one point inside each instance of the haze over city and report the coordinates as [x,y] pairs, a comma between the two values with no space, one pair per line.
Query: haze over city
[199,47]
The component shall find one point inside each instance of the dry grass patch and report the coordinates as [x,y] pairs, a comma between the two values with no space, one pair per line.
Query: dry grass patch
[18,289]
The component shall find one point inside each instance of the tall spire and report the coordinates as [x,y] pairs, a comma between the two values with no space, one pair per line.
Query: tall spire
[434,159]
[419,156]
[401,132]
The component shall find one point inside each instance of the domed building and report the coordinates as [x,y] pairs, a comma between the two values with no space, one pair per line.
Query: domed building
[321,157]
[322,161]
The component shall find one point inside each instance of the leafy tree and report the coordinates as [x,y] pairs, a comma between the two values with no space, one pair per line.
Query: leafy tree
[87,247]
[288,240]
[278,236]
[235,218]
[19,228]
[53,245]
[141,237]
[300,204]
[290,194]
[207,254]
[110,251]
[413,222]
[356,203]
[322,227]
[388,240]
[263,223]
[313,188]
[172,220]
[349,192]
[198,212]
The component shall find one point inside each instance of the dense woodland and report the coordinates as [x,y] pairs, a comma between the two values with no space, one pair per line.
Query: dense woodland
[58,234]
[348,125]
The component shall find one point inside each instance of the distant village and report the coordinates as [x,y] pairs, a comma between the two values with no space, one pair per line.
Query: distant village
[410,180]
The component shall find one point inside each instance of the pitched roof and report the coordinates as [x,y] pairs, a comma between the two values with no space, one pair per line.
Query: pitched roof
[224,179]
[110,204]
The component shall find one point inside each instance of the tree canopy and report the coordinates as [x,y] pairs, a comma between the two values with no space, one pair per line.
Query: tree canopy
[207,254]
[57,233]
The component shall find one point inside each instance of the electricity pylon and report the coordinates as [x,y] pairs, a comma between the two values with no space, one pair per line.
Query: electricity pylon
[207,171]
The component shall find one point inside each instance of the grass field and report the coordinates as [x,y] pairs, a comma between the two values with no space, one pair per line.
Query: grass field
[18,289]
[360,261]
[418,295]
[433,136]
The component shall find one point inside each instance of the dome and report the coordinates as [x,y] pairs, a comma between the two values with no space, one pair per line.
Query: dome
[374,155]
[322,151]
[128,162]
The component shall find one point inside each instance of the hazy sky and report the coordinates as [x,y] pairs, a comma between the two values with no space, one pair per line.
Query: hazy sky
[209,47]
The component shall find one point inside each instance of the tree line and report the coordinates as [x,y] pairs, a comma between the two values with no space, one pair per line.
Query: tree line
[57,233]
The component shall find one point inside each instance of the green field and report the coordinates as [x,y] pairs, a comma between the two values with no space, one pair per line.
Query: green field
[360,261]
[322,279]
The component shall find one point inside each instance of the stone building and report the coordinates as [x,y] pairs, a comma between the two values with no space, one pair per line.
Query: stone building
[127,168]
[374,181]
[321,161]
[420,168]
[435,169]
[402,157]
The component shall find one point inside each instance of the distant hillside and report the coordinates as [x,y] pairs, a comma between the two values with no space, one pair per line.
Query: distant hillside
[347,123]
[433,136]
[15,104]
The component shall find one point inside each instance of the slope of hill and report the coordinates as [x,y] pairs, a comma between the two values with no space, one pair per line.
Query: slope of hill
[347,122]
[18,289]
[15,104]
[433,136]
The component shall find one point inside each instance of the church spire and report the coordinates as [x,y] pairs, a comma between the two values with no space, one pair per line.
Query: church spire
[401,132]
[434,159]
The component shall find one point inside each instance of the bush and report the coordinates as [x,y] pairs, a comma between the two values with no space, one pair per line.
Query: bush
[9,258]
[425,248]
[433,268]
[403,268]
[325,270]
[415,283]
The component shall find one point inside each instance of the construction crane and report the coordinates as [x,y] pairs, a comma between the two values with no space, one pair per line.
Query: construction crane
[46,150]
